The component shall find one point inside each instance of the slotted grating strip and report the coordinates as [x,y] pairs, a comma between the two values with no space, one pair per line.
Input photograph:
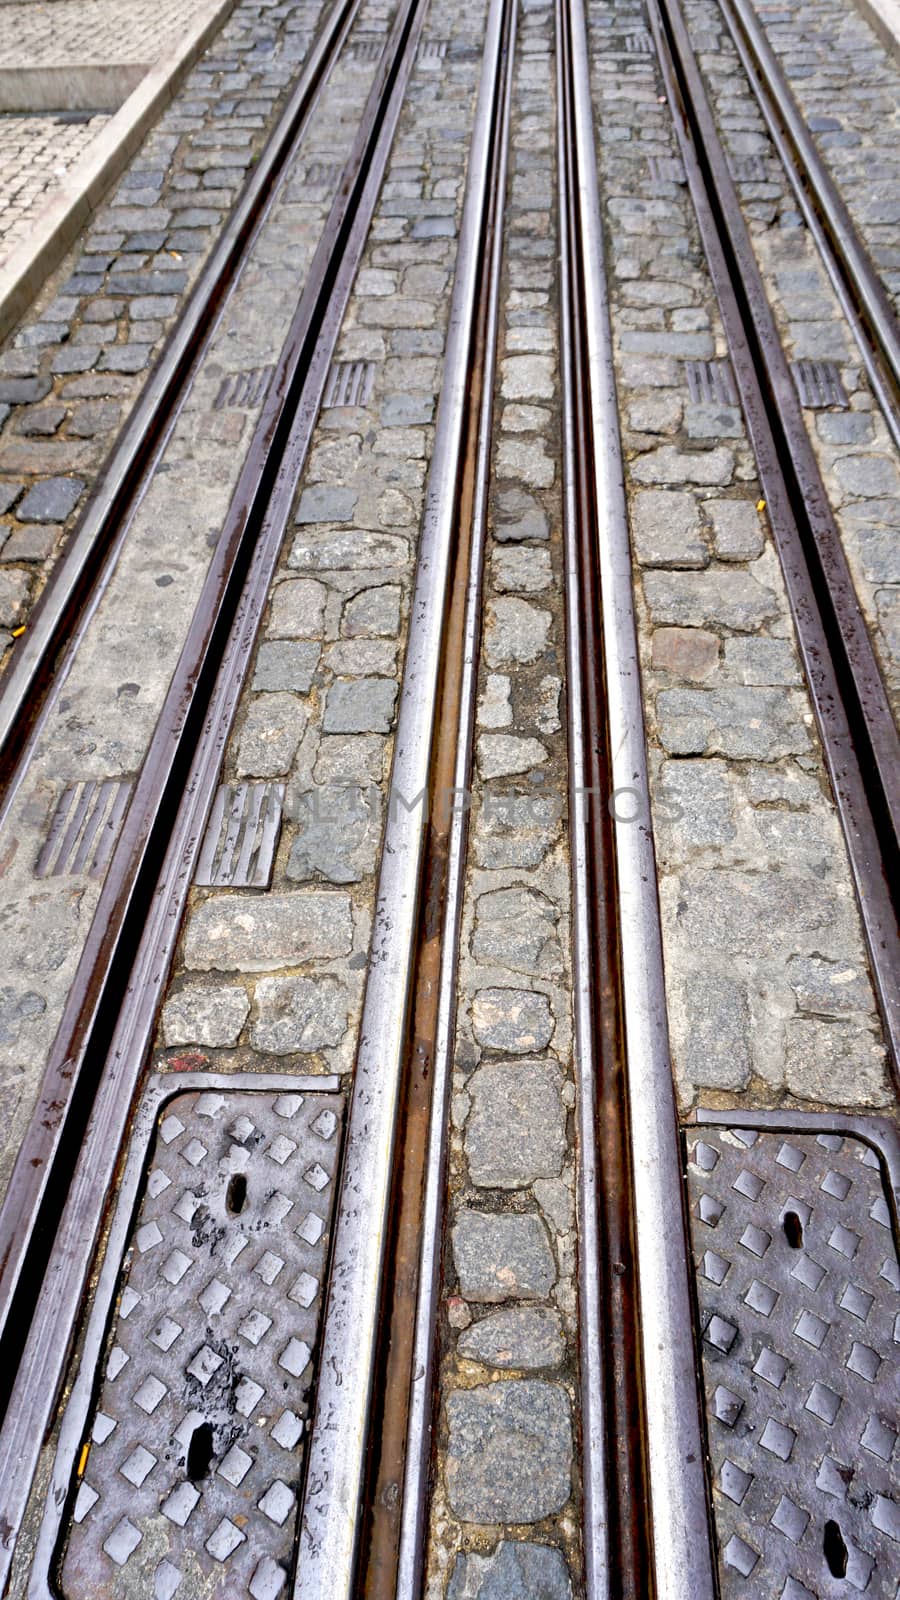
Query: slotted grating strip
[241,836]
[433,49]
[799,1298]
[243,388]
[638,44]
[711,382]
[191,1460]
[323,173]
[350,383]
[84,828]
[819,384]
[748,169]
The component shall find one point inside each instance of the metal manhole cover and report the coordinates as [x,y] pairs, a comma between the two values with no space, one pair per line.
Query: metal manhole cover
[797,1282]
[189,1472]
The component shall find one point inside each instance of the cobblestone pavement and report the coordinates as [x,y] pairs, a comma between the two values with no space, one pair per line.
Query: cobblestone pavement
[35,153]
[847,85]
[74,369]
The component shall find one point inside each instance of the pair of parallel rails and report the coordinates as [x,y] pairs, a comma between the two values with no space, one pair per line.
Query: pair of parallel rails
[646,1514]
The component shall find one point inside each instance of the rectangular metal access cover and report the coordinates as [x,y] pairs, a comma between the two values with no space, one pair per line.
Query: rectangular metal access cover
[188,1471]
[799,1296]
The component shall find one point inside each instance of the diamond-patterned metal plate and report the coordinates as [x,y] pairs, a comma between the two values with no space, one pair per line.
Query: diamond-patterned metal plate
[799,1298]
[189,1471]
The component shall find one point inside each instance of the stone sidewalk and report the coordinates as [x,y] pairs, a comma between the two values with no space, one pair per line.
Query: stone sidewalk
[45,126]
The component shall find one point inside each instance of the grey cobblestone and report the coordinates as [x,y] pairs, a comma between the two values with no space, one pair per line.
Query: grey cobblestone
[205,1016]
[516,1129]
[502,1257]
[515,1571]
[526,1337]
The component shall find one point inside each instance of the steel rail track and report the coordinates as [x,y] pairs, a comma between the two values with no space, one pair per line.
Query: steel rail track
[421,1370]
[341,1432]
[859,736]
[626,1092]
[117,1030]
[810,173]
[89,556]
[853,276]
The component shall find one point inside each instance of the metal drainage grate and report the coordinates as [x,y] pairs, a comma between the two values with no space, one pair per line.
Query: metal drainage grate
[797,1282]
[84,828]
[639,44]
[242,388]
[190,1466]
[433,49]
[241,836]
[350,383]
[711,382]
[819,384]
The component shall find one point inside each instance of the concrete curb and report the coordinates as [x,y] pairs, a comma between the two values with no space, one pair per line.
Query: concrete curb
[22,276]
[884,17]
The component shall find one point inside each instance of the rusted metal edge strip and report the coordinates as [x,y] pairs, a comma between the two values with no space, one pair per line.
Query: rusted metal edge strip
[95,538]
[293,403]
[680,1528]
[831,656]
[333,1509]
[598,1535]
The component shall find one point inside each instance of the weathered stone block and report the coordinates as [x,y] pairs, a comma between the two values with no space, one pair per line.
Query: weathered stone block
[509,1456]
[516,1130]
[260,933]
[518,1336]
[513,1020]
